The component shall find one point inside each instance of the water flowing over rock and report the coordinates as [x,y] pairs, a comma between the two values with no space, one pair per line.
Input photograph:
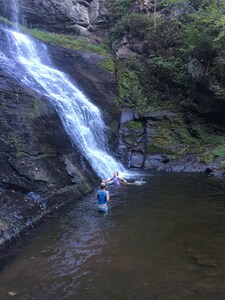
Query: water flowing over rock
[41,168]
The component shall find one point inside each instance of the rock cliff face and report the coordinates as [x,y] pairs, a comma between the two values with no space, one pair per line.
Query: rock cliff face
[74,16]
[40,169]
[174,119]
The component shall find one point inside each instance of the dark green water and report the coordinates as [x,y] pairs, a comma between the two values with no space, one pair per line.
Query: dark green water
[162,240]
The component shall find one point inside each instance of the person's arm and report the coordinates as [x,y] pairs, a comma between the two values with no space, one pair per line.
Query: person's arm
[122,179]
[96,196]
[108,180]
[107,196]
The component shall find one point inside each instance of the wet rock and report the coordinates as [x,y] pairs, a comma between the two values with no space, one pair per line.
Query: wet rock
[137,160]
[94,81]
[160,115]
[128,114]
[156,161]
[124,52]
[131,139]
[188,163]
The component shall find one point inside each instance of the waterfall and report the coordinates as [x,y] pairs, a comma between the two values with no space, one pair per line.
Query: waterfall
[15,12]
[81,119]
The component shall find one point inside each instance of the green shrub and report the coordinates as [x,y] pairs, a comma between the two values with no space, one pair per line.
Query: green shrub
[109,65]
[169,69]
[138,25]
[121,8]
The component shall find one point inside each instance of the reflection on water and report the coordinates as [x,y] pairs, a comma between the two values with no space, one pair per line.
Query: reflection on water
[162,240]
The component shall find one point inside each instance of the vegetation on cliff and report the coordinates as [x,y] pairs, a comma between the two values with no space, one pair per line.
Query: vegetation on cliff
[170,55]
[165,51]
[72,42]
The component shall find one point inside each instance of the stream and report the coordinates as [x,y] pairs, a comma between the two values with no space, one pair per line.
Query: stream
[162,240]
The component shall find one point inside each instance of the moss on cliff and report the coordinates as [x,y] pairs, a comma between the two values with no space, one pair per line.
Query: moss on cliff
[170,136]
[130,88]
[175,64]
[108,65]
[67,41]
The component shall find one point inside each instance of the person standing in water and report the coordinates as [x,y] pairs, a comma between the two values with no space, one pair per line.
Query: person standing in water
[116,179]
[103,198]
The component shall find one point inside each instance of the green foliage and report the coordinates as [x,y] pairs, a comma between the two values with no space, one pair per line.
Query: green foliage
[170,69]
[212,145]
[159,73]
[203,36]
[5,21]
[133,25]
[109,65]
[214,152]
[170,3]
[135,125]
[122,8]
[116,32]
[168,48]
[130,91]
[66,41]
[138,25]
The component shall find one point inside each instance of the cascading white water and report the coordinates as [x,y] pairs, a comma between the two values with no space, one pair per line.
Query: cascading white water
[81,119]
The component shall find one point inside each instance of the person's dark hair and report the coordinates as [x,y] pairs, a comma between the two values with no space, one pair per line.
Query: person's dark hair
[102,185]
[117,173]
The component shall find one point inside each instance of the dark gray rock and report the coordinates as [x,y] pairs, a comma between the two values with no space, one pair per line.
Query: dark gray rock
[160,115]
[85,69]
[128,114]
[156,161]
[131,139]
[137,160]
[73,16]
[196,70]
[36,158]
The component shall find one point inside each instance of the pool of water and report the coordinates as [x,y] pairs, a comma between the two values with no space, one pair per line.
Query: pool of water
[161,240]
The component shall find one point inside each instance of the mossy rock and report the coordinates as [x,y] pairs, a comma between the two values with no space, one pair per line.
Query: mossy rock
[154,149]
[210,155]
[108,65]
[134,133]
[135,125]
[172,132]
